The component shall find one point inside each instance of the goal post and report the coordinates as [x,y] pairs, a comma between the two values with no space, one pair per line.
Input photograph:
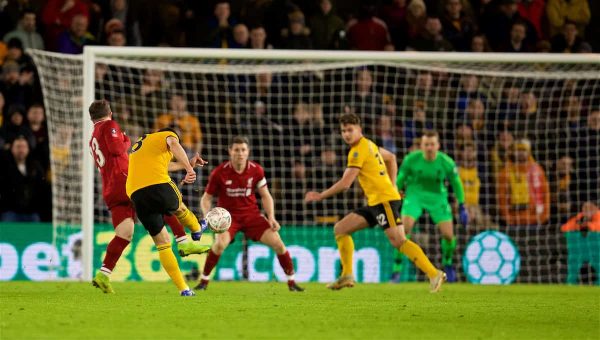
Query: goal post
[221,88]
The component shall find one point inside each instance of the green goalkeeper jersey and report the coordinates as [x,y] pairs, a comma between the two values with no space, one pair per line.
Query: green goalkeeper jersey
[426,178]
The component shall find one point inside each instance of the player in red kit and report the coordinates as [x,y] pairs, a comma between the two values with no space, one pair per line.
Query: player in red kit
[235,183]
[109,146]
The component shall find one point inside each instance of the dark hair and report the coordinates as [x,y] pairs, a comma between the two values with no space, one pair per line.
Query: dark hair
[431,133]
[169,129]
[239,140]
[26,11]
[99,109]
[349,118]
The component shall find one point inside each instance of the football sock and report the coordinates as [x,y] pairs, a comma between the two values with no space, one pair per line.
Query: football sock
[188,219]
[285,260]
[211,262]
[169,263]
[448,248]
[418,257]
[399,259]
[113,253]
[346,249]
[176,228]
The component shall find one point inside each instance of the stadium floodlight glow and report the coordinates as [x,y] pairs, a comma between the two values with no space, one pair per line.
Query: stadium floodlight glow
[220,86]
[491,258]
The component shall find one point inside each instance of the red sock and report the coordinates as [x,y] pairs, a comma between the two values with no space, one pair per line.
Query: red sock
[176,226]
[285,260]
[113,253]
[211,262]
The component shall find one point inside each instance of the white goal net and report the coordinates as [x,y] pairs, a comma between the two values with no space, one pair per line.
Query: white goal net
[523,132]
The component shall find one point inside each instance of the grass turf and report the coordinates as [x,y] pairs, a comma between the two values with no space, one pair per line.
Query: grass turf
[267,310]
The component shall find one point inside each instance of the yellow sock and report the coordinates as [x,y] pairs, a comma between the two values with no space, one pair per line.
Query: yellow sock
[169,262]
[418,257]
[346,249]
[188,220]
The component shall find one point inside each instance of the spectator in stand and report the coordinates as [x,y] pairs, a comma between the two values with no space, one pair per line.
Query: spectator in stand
[394,16]
[517,41]
[533,11]
[568,41]
[15,126]
[26,31]
[241,37]
[479,43]
[125,14]
[523,194]
[509,105]
[258,38]
[458,27]
[472,184]
[368,33]
[300,131]
[324,25]
[180,119]
[386,134]
[543,46]
[73,40]
[561,181]
[497,25]
[587,157]
[10,85]
[364,101]
[57,18]
[152,95]
[581,246]
[500,152]
[416,17]
[117,38]
[468,90]
[328,166]
[296,36]
[15,53]
[36,119]
[431,38]
[220,25]
[23,181]
[560,12]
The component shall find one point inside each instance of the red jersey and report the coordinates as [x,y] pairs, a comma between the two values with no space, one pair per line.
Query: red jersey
[236,192]
[108,147]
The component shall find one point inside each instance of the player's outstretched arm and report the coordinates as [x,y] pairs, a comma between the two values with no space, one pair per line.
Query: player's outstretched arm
[206,203]
[195,161]
[269,206]
[403,173]
[342,185]
[390,163]
[180,156]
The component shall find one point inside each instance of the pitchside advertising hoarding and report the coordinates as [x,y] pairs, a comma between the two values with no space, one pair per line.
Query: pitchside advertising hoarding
[28,252]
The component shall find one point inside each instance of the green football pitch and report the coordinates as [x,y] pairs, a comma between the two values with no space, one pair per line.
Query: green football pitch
[239,310]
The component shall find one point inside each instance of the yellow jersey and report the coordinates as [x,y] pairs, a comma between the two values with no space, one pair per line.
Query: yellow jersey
[149,161]
[471,183]
[373,176]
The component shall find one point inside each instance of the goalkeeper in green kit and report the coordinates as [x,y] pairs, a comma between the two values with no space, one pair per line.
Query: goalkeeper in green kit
[421,177]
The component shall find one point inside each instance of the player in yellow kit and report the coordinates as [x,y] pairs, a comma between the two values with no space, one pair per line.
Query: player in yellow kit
[154,194]
[376,169]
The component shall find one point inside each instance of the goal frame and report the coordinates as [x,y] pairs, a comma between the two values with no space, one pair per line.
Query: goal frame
[91,53]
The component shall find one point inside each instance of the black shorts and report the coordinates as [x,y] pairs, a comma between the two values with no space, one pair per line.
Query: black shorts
[154,201]
[386,214]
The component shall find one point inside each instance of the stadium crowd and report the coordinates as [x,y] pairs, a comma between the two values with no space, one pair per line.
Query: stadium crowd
[500,138]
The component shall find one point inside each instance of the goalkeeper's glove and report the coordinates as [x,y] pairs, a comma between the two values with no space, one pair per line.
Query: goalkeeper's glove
[463,214]
[196,236]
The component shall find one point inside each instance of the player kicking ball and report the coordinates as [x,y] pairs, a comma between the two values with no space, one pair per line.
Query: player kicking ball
[235,183]
[108,147]
[375,169]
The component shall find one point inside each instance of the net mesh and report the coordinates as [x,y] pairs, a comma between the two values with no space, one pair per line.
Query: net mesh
[486,114]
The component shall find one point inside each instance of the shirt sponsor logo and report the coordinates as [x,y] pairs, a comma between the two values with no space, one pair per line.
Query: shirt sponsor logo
[238,192]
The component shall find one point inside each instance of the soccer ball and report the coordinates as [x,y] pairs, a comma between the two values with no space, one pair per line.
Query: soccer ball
[218,220]
[491,258]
